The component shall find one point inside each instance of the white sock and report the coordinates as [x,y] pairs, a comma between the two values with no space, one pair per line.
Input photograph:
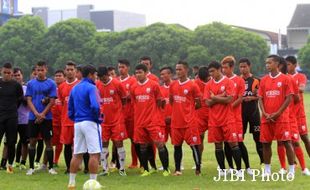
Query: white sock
[291,168]
[104,159]
[268,168]
[121,157]
[72,179]
[93,176]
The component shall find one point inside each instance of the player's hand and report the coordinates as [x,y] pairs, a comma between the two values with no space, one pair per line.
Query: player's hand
[274,116]
[212,95]
[41,116]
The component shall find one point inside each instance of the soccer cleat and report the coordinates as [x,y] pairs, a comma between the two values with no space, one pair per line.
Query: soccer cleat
[9,169]
[290,175]
[306,172]
[177,173]
[122,173]
[249,171]
[71,187]
[52,171]
[104,173]
[282,171]
[145,173]
[166,173]
[222,172]
[22,167]
[239,174]
[161,168]
[30,172]
[153,171]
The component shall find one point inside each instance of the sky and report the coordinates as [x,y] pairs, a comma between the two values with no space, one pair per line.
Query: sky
[272,15]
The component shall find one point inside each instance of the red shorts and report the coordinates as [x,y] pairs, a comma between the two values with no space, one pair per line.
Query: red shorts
[149,134]
[56,135]
[190,135]
[129,123]
[67,135]
[294,132]
[202,124]
[275,131]
[302,126]
[239,131]
[115,133]
[222,134]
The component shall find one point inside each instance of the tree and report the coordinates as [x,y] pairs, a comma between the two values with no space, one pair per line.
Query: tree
[304,57]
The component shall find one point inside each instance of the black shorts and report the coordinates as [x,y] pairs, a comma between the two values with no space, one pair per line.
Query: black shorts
[9,128]
[45,129]
[252,118]
[23,132]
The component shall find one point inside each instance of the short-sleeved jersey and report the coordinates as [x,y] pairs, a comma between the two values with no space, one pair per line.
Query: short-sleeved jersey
[38,90]
[251,89]
[64,91]
[220,114]
[204,110]
[56,111]
[165,93]
[111,95]
[152,77]
[239,86]
[273,91]
[301,80]
[293,106]
[127,83]
[183,96]
[145,96]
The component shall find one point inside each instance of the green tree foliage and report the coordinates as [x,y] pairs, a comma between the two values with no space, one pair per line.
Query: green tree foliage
[304,57]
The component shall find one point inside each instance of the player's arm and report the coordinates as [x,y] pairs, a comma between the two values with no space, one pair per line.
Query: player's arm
[286,103]
[296,98]
[71,112]
[31,106]
[94,102]
[122,93]
[262,108]
[221,99]
[237,102]
[48,107]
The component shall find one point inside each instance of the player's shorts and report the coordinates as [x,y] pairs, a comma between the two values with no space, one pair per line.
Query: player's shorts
[44,129]
[294,132]
[302,126]
[67,135]
[87,138]
[275,131]
[202,124]
[115,133]
[129,124]
[239,131]
[253,119]
[149,134]
[56,135]
[9,128]
[227,133]
[23,132]
[190,135]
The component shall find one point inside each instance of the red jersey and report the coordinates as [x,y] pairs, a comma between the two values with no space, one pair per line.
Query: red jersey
[220,114]
[301,80]
[293,106]
[56,111]
[145,96]
[273,91]
[64,92]
[183,96]
[111,95]
[239,86]
[204,110]
[152,77]
[127,83]
[165,93]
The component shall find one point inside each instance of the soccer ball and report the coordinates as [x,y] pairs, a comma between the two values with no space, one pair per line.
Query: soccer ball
[92,185]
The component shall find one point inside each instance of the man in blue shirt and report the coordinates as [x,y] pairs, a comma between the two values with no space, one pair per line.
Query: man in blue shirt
[41,94]
[84,110]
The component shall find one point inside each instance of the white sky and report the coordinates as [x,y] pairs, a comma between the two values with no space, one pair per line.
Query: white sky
[260,14]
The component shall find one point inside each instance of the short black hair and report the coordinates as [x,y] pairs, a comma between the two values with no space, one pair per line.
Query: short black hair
[59,71]
[7,65]
[203,73]
[146,58]
[111,68]
[182,62]
[275,58]
[33,69]
[17,69]
[71,63]
[245,60]
[291,59]
[41,63]
[141,67]
[166,68]
[124,62]
[88,69]
[214,64]
[79,68]
[284,65]
[102,71]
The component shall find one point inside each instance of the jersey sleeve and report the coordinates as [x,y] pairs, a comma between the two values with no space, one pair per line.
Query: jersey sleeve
[157,92]
[29,90]
[261,89]
[302,80]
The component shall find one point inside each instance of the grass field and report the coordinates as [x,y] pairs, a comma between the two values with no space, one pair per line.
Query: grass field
[44,181]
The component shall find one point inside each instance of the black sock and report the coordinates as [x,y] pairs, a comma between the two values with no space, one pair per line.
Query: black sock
[50,157]
[178,154]
[23,162]
[244,154]
[40,147]
[196,156]
[137,149]
[144,157]
[32,154]
[259,146]
[18,151]
[164,157]
[228,155]
[237,156]
[3,162]
[151,156]
[114,155]
[86,159]
[220,157]
[68,155]
[11,153]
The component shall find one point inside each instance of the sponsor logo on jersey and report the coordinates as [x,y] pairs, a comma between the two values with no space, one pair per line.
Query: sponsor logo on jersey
[107,100]
[111,92]
[185,91]
[179,99]
[222,88]
[272,93]
[142,98]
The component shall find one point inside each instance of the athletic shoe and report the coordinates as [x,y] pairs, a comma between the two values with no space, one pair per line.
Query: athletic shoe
[306,172]
[249,171]
[30,172]
[71,187]
[282,171]
[22,167]
[290,175]
[145,173]
[153,171]
[223,172]
[161,168]
[239,174]
[122,173]
[177,173]
[37,165]
[132,166]
[166,173]
[9,169]
[104,173]
[52,171]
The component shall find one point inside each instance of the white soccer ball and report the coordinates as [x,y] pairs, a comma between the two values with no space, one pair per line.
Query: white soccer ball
[92,185]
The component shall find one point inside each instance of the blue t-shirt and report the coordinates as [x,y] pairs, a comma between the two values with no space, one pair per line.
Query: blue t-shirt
[38,90]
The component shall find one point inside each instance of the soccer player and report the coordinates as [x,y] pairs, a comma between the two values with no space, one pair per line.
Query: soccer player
[11,94]
[301,81]
[274,98]
[59,78]
[250,110]
[219,93]
[84,110]
[79,74]
[184,96]
[128,81]
[228,64]
[146,97]
[67,125]
[41,94]
[22,127]
[147,61]
[112,72]
[113,97]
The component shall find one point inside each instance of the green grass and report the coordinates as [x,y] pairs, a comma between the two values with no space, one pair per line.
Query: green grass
[40,181]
